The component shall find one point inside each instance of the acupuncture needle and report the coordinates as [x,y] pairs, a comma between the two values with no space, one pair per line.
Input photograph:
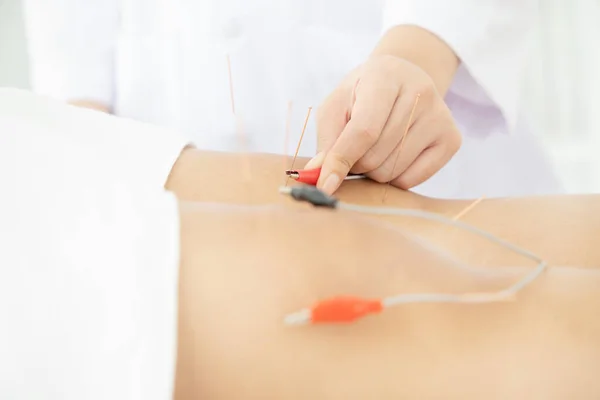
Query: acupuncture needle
[299,143]
[401,145]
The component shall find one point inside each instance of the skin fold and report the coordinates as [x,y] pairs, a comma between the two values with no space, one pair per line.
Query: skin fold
[252,255]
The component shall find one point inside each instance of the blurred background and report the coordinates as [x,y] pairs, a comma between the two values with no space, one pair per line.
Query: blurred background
[13,51]
[562,84]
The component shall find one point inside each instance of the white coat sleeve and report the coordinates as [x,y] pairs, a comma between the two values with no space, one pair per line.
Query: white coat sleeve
[72,47]
[88,274]
[491,38]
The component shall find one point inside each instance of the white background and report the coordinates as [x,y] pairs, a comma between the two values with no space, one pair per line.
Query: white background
[562,88]
[562,85]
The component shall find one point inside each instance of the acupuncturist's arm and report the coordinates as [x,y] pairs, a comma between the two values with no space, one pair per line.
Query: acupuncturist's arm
[397,92]
[286,257]
[388,118]
[72,49]
[424,49]
[490,37]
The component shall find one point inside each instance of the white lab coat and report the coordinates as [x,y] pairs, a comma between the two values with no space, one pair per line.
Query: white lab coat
[165,61]
[89,255]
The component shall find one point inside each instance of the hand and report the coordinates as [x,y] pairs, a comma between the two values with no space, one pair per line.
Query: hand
[362,124]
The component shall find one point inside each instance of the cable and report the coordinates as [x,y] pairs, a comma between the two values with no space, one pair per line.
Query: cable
[311,176]
[346,309]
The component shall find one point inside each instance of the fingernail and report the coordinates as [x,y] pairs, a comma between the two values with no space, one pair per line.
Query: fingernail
[316,161]
[331,184]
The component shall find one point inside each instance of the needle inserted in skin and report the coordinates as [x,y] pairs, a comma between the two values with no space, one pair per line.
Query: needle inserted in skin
[412,112]
[299,143]
[230,84]
[244,146]
[288,123]
[468,208]
[239,128]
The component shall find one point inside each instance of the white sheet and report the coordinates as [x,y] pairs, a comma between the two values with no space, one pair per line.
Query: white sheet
[89,245]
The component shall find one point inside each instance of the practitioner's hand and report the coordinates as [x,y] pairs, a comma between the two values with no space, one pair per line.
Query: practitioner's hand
[361,126]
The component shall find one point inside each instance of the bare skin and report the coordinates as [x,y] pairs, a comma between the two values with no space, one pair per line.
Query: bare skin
[243,269]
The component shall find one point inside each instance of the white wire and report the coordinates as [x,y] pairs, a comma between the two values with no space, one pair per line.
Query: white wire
[451,298]
[354,177]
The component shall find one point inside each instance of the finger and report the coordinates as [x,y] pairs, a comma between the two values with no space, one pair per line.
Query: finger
[403,155]
[429,162]
[445,140]
[374,102]
[392,134]
[331,128]
[332,118]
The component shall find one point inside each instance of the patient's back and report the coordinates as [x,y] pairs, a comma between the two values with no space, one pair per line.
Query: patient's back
[246,268]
